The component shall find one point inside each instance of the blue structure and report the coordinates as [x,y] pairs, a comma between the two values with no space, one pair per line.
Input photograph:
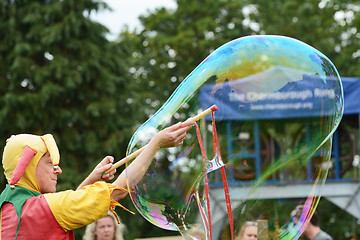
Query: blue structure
[230,114]
[341,191]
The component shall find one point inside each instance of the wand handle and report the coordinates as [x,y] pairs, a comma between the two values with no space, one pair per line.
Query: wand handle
[213,108]
[126,159]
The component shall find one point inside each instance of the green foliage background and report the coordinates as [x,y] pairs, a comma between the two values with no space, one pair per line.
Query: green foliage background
[59,74]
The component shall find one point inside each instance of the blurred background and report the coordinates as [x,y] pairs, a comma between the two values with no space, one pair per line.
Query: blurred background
[63,71]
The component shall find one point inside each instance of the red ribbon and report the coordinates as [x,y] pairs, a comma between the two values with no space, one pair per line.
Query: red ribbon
[216,151]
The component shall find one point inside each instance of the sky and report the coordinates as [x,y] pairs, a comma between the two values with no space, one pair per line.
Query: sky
[127,12]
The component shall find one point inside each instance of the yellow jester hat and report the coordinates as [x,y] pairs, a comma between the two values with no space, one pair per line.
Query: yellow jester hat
[21,155]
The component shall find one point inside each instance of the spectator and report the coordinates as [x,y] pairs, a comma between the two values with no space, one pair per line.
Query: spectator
[248,231]
[105,228]
[312,230]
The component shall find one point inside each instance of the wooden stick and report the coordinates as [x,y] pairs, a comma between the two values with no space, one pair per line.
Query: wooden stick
[126,159]
[133,155]
[213,108]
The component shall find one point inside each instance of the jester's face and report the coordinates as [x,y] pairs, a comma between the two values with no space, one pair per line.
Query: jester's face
[46,174]
[29,162]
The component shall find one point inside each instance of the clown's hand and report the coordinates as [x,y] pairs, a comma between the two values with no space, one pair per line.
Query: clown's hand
[102,167]
[172,136]
[97,174]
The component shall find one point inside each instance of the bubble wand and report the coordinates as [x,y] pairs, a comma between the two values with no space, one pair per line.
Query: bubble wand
[133,155]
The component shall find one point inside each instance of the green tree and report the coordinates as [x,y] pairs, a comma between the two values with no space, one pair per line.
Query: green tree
[174,42]
[60,75]
[329,26]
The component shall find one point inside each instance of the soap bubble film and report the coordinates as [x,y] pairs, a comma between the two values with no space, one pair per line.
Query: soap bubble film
[279,102]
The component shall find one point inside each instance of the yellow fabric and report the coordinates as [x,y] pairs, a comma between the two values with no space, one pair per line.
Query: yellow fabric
[52,148]
[74,209]
[12,153]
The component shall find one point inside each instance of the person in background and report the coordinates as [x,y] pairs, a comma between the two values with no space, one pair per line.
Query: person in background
[312,230]
[105,228]
[248,231]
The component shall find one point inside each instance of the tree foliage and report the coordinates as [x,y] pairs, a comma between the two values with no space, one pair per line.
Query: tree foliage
[60,75]
[173,42]
[330,26]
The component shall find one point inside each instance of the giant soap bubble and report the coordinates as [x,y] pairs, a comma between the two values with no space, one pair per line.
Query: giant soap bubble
[279,102]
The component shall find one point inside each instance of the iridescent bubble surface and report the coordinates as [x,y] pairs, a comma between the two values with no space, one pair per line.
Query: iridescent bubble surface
[279,102]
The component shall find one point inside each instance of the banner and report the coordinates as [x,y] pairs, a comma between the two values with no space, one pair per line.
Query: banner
[309,97]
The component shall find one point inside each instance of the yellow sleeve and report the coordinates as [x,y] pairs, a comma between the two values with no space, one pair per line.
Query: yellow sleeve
[74,209]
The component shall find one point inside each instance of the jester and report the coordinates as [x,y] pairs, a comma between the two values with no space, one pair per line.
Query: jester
[32,209]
